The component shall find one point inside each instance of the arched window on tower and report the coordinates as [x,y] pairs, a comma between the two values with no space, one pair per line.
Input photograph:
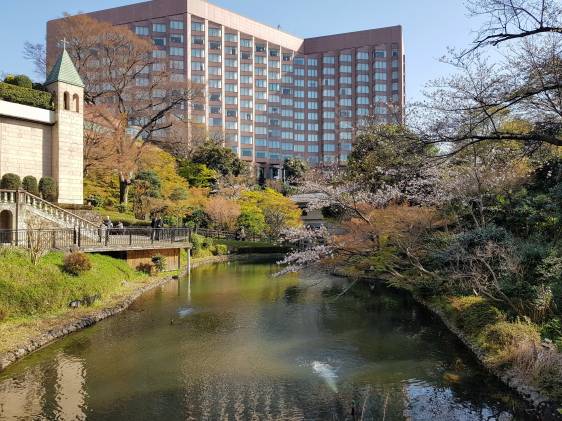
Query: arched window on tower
[66,101]
[76,102]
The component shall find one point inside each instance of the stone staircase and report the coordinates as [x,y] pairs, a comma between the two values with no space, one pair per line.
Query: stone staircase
[26,206]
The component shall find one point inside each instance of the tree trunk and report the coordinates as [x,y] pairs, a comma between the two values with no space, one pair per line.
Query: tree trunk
[124,184]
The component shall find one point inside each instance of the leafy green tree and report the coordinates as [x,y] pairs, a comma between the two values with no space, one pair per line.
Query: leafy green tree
[294,169]
[19,80]
[220,159]
[152,181]
[198,175]
[252,219]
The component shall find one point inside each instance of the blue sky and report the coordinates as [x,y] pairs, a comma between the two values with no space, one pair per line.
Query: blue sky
[430,26]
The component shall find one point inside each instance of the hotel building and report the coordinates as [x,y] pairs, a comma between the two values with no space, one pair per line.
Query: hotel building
[272,95]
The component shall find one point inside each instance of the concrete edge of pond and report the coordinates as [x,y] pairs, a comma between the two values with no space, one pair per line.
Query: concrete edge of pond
[65,328]
[547,409]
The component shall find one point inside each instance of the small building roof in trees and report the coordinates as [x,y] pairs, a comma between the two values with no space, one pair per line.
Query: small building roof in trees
[64,71]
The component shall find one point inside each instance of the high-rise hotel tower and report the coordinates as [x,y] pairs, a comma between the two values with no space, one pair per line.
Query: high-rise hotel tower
[271,94]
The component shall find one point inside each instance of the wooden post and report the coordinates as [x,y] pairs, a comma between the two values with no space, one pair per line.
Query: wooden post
[189,260]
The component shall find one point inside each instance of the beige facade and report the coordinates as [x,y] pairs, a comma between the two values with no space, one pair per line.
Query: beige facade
[39,142]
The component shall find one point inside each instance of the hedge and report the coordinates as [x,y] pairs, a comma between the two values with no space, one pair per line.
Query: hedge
[26,96]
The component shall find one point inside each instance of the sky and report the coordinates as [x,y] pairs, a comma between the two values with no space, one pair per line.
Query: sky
[430,26]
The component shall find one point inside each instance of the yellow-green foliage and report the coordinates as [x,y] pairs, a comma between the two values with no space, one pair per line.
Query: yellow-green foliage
[500,339]
[27,290]
[279,211]
[473,313]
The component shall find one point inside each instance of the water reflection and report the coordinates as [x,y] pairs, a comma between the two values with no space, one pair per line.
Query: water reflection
[230,342]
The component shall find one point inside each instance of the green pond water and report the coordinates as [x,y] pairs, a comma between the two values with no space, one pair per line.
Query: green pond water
[234,343]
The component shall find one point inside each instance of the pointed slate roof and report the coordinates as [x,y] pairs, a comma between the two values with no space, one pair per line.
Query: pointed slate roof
[64,71]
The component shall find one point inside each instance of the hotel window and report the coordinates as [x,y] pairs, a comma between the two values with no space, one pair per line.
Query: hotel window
[312,137]
[287,79]
[141,81]
[274,144]
[362,112]
[231,100]
[231,87]
[345,102]
[198,26]
[362,67]
[346,114]
[215,71]
[394,97]
[261,130]
[362,55]
[312,127]
[215,45]
[178,39]
[287,68]
[274,63]
[197,40]
[328,104]
[246,140]
[328,92]
[197,66]
[176,51]
[197,52]
[246,91]
[299,148]
[247,152]
[274,98]
[247,43]
[245,55]
[215,110]
[299,105]
[312,73]
[230,37]
[198,79]
[346,136]
[312,62]
[287,136]
[312,94]
[260,118]
[246,67]
[231,75]
[274,87]
[380,110]
[312,116]
[328,71]
[157,67]
[312,83]
[362,100]
[299,115]
[231,137]
[231,50]
[346,58]
[380,53]
[299,61]
[345,80]
[395,53]
[230,62]
[299,71]
[274,75]
[345,69]
[380,76]
[260,48]
[141,30]
[395,64]
[381,98]
[231,113]
[231,125]
[261,83]
[395,75]
[380,65]
[345,124]
[299,94]
[159,54]
[215,122]
[273,52]
[329,147]
[312,148]
[215,58]
[395,87]
[328,136]
[215,96]
[215,83]
[198,119]
[312,105]
[329,60]
[261,60]
[260,154]
[287,101]
[362,89]
[246,127]
[215,32]
[328,82]
[176,24]
[287,124]
[244,103]
[380,87]
[299,83]
[158,27]
[246,79]
[345,91]
[328,115]
[177,77]
[287,56]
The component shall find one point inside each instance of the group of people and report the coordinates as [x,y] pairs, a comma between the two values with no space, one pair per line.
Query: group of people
[156,223]
[108,226]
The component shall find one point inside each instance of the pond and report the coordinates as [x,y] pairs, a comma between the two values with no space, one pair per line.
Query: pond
[234,342]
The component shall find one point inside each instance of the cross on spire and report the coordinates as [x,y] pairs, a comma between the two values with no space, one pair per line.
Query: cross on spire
[64,42]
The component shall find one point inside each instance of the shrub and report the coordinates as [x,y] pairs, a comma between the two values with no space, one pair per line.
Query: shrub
[179,193]
[30,185]
[3,313]
[197,242]
[123,208]
[26,96]
[76,263]
[49,189]
[147,268]
[10,181]
[221,250]
[19,80]
[502,338]
[472,314]
[159,263]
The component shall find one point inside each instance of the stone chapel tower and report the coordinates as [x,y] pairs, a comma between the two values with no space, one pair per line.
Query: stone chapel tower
[68,132]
